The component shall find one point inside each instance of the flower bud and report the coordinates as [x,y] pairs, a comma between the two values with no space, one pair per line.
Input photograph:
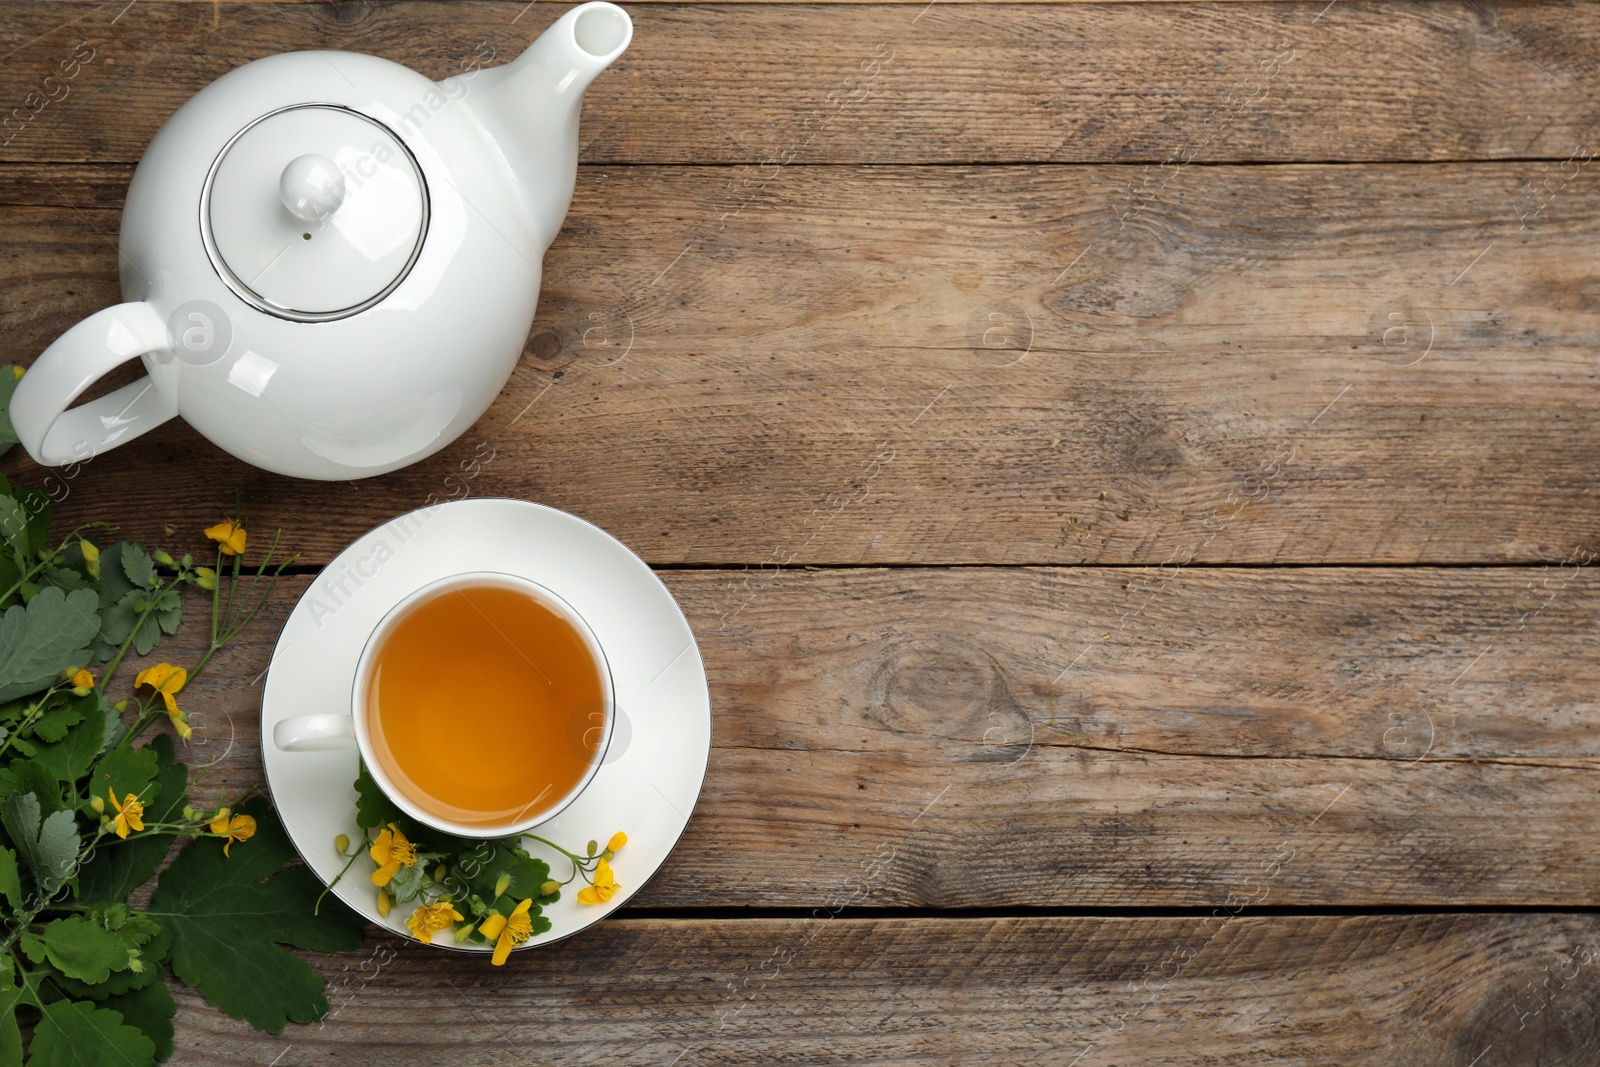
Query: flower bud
[162,557]
[189,814]
[342,843]
[439,872]
[384,903]
[549,889]
[501,885]
[618,839]
[594,846]
[97,804]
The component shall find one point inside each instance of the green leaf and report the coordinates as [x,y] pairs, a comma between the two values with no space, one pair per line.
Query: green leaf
[58,851]
[151,613]
[150,1009]
[407,883]
[8,436]
[27,776]
[117,869]
[14,526]
[10,880]
[527,875]
[70,758]
[64,578]
[169,611]
[9,574]
[373,809]
[21,816]
[78,949]
[118,618]
[150,939]
[75,1034]
[10,1033]
[49,849]
[36,505]
[117,597]
[125,770]
[52,726]
[38,641]
[148,635]
[136,564]
[225,915]
[114,584]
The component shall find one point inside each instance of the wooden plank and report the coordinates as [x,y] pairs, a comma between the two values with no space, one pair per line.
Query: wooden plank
[902,83]
[957,365]
[1507,989]
[67,5]
[1108,737]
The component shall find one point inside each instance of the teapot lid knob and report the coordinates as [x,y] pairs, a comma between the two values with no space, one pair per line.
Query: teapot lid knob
[312,188]
[314,212]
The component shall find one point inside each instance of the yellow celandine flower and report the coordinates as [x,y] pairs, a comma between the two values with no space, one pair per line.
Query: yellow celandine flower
[205,578]
[233,827]
[167,680]
[618,839]
[82,680]
[507,933]
[390,852]
[91,557]
[429,919]
[130,814]
[604,888]
[230,536]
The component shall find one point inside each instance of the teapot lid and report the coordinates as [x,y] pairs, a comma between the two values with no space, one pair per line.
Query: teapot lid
[314,212]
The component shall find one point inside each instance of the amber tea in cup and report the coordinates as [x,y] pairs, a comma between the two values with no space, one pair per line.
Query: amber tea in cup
[467,695]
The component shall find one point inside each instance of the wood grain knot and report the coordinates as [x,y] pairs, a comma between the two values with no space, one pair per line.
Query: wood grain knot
[1109,300]
[949,688]
[1546,1012]
[544,345]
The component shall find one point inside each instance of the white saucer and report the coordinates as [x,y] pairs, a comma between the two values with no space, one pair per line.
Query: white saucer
[657,759]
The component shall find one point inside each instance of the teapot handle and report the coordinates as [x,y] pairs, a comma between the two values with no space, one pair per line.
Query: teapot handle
[55,436]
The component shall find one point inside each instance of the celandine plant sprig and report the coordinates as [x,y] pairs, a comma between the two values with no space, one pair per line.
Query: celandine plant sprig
[484,891]
[88,813]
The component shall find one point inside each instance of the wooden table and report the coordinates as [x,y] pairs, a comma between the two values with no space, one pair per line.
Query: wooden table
[1128,467]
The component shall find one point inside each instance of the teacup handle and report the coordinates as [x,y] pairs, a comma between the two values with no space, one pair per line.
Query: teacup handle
[315,733]
[55,436]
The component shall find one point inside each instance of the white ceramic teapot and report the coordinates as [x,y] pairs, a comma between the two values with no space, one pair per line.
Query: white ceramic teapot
[330,262]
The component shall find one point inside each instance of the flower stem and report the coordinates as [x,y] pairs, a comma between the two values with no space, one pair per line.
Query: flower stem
[105,679]
[43,563]
[329,887]
[574,857]
[35,712]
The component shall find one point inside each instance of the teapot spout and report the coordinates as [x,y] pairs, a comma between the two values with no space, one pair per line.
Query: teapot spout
[530,106]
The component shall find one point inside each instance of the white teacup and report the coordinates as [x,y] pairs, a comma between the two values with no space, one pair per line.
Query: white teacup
[323,732]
